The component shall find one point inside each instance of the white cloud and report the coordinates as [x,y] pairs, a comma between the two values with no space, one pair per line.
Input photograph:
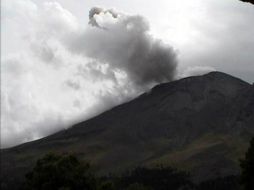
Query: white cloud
[34,101]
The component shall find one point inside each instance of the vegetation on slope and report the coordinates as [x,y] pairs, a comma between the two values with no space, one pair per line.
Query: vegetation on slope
[64,172]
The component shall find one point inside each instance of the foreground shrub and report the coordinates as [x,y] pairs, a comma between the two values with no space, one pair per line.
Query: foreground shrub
[63,172]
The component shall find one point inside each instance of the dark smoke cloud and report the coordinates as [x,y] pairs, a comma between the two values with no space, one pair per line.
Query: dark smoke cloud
[124,44]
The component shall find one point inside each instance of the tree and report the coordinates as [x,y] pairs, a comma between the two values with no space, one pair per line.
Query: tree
[247,165]
[159,178]
[55,172]
[220,183]
[137,186]
[105,185]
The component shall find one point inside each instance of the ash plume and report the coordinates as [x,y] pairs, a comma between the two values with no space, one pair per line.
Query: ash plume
[124,44]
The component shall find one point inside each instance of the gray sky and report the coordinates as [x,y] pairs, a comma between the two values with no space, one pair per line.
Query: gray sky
[57,70]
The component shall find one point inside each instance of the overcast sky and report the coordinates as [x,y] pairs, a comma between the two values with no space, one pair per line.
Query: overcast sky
[56,69]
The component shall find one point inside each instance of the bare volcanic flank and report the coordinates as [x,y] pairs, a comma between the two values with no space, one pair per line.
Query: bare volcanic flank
[201,124]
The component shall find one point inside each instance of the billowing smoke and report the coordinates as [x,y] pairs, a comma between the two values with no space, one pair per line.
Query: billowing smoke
[124,44]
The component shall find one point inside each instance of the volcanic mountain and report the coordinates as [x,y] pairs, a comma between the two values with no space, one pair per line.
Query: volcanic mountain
[200,124]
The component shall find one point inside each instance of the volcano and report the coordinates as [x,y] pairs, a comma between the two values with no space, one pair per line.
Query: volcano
[200,124]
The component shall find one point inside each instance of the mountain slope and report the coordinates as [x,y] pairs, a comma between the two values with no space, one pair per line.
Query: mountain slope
[201,124]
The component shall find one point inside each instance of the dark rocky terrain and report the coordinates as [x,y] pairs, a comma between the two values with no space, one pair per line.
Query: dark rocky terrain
[200,124]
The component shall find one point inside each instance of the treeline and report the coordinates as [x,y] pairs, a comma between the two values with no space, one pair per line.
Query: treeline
[167,178]
[66,172]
